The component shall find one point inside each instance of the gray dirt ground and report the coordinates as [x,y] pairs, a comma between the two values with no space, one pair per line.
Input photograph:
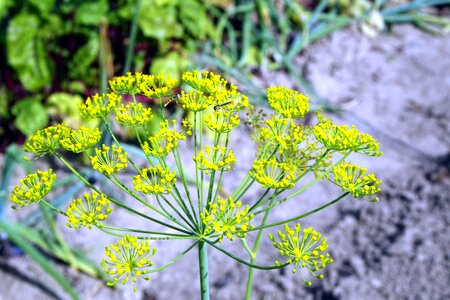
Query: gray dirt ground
[396,87]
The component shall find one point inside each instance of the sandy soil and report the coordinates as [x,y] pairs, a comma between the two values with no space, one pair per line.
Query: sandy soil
[395,87]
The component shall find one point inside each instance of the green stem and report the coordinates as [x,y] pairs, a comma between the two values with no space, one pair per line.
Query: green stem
[253,255]
[303,215]
[203,268]
[132,38]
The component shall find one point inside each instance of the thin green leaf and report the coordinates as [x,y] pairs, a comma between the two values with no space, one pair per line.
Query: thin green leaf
[40,259]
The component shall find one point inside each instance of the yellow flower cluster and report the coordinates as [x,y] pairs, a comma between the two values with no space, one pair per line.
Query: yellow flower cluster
[88,212]
[341,137]
[109,160]
[129,84]
[32,188]
[230,99]
[214,159]
[156,180]
[99,105]
[165,139]
[273,174]
[156,86]
[283,132]
[206,82]
[289,103]
[133,114]
[221,121]
[306,252]
[46,141]
[81,140]
[128,259]
[353,179]
[226,218]
[195,101]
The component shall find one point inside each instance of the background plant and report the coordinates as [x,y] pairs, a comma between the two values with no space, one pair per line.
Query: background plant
[289,154]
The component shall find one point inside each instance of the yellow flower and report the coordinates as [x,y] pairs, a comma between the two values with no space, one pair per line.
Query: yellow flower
[226,218]
[133,114]
[128,259]
[305,252]
[109,160]
[353,179]
[273,174]
[289,103]
[281,131]
[156,180]
[214,159]
[81,140]
[156,86]
[206,82]
[195,101]
[33,188]
[99,105]
[166,139]
[47,140]
[222,121]
[89,212]
[129,84]
[230,99]
[341,138]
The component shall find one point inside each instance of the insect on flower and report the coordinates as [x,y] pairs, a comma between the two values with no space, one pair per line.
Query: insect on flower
[219,106]
[173,98]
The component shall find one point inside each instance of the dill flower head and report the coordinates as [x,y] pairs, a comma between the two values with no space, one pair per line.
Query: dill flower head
[109,160]
[289,103]
[195,101]
[156,180]
[353,179]
[226,218]
[206,82]
[156,86]
[214,159]
[281,131]
[128,84]
[341,137]
[46,141]
[88,212]
[128,259]
[32,188]
[133,114]
[99,105]
[230,99]
[273,174]
[81,140]
[222,121]
[166,139]
[305,253]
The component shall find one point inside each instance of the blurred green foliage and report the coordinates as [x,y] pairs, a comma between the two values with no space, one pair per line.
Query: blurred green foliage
[56,46]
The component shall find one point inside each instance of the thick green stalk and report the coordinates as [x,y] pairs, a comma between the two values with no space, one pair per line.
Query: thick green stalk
[203,269]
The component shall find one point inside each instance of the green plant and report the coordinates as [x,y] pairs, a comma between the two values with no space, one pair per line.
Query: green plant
[56,52]
[288,154]
[36,234]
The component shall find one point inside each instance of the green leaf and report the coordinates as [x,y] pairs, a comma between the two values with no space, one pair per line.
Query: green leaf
[194,18]
[30,115]
[65,106]
[158,19]
[45,7]
[4,104]
[172,64]
[4,7]
[91,13]
[26,52]
[34,254]
[84,57]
